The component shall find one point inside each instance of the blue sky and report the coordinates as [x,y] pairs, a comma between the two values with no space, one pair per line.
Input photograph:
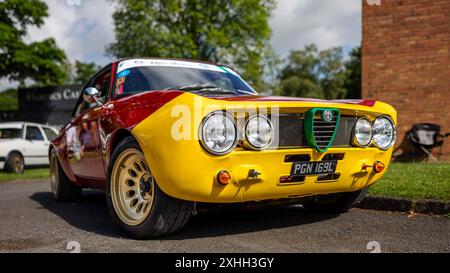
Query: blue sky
[84,30]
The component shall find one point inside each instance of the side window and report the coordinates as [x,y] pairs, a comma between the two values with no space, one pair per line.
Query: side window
[33,133]
[101,83]
[49,133]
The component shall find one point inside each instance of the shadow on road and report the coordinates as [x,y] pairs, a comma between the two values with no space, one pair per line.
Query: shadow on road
[229,222]
[91,214]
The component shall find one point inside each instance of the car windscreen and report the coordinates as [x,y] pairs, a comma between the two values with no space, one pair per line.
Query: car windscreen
[150,78]
[10,133]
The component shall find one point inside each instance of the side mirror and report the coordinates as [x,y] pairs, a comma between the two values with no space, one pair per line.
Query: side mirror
[91,95]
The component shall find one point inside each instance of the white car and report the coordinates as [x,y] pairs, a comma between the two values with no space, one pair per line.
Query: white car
[24,144]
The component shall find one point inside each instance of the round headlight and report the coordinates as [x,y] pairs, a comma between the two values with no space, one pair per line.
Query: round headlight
[219,133]
[259,132]
[363,133]
[384,133]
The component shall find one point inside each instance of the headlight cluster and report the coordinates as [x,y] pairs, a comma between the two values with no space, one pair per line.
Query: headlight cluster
[219,133]
[381,133]
[384,133]
[259,132]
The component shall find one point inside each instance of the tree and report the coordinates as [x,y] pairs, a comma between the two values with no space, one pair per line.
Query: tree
[38,61]
[78,72]
[235,32]
[84,71]
[353,74]
[9,100]
[332,73]
[312,73]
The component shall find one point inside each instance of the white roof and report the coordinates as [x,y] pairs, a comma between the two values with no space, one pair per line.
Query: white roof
[131,63]
[19,125]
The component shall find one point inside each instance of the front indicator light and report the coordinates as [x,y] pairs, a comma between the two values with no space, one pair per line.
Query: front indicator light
[224,178]
[378,166]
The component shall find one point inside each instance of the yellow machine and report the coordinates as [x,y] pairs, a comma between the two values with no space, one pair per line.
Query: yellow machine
[184,169]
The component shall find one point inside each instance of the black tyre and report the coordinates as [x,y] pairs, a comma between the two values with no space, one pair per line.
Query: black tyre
[62,188]
[335,203]
[15,163]
[135,201]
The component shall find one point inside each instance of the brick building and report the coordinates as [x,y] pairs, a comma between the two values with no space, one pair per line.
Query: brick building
[406,62]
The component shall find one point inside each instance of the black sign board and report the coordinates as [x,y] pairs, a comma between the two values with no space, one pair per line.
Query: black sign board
[47,105]
[58,99]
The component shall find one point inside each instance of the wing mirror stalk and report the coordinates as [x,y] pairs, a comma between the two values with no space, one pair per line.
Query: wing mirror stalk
[91,95]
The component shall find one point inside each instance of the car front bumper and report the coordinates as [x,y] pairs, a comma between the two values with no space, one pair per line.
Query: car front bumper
[184,174]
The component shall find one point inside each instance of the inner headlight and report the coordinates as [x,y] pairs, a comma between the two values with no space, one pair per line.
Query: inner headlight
[363,133]
[384,133]
[218,133]
[259,132]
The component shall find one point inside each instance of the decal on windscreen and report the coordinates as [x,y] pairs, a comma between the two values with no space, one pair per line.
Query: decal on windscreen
[127,64]
[231,71]
[123,73]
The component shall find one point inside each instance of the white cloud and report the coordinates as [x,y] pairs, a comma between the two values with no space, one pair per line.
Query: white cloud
[82,30]
[327,23]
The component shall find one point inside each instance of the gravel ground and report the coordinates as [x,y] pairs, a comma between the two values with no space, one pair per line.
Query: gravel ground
[31,221]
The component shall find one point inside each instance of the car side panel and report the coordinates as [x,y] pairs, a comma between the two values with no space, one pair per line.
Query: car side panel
[35,151]
[59,145]
[119,115]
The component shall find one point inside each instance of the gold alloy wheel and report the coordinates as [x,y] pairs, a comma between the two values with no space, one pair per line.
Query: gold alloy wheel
[54,174]
[132,187]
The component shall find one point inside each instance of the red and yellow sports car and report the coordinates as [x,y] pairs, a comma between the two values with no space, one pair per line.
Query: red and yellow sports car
[160,136]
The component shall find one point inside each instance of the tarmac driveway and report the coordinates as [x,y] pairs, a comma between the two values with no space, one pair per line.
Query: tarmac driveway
[31,221]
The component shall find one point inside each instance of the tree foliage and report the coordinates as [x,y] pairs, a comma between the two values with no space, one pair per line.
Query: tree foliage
[353,74]
[235,32]
[19,61]
[78,72]
[84,71]
[312,73]
[9,100]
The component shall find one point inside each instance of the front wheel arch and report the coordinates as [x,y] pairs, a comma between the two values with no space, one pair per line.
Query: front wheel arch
[118,136]
[14,151]
[167,215]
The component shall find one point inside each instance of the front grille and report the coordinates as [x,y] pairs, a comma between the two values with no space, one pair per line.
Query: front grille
[324,131]
[291,132]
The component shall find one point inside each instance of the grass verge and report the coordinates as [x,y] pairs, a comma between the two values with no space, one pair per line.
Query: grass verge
[28,174]
[415,181]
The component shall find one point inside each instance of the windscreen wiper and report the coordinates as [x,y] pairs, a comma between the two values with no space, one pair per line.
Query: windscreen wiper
[197,87]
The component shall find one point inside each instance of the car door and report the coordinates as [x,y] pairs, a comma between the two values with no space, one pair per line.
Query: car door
[35,146]
[83,135]
[50,133]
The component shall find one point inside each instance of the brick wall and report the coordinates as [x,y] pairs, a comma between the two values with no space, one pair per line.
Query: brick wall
[406,62]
